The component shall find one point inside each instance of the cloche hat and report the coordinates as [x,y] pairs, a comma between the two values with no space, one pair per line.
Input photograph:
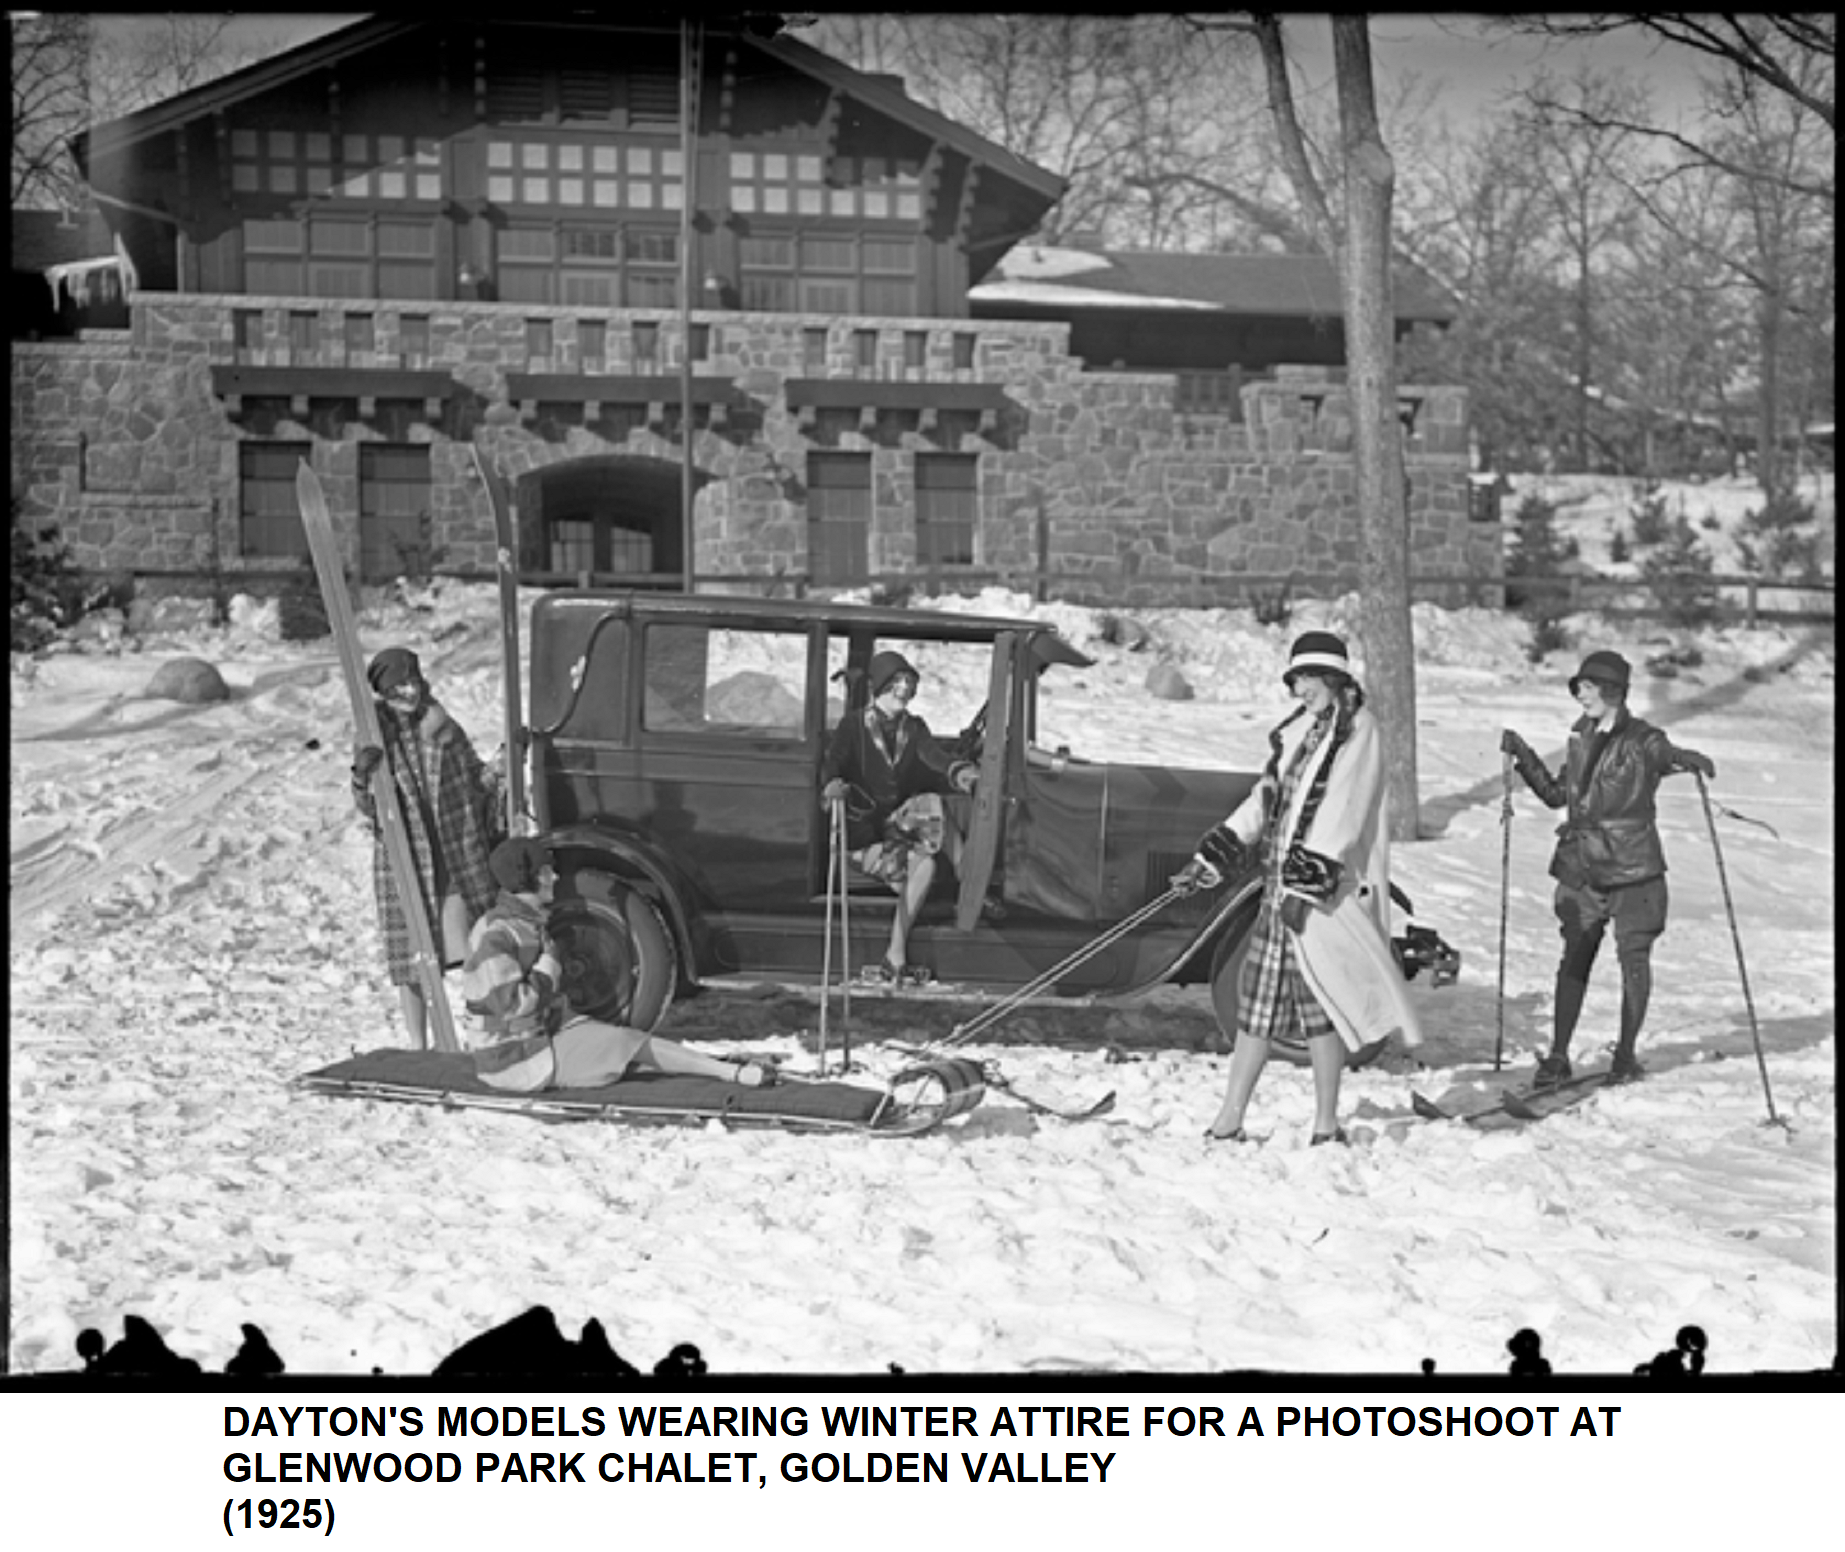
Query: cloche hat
[1608,668]
[1317,650]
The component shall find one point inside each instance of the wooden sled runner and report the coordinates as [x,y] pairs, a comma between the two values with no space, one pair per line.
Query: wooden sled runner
[917,1100]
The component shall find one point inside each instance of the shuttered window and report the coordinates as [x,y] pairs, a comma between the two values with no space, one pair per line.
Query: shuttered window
[269,517]
[947,508]
[838,518]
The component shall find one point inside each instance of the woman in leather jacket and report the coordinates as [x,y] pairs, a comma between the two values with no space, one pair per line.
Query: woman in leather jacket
[1608,864]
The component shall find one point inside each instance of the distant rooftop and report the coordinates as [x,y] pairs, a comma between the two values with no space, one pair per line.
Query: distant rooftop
[1287,285]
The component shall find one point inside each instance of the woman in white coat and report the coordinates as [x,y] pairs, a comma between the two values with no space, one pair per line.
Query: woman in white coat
[1319,959]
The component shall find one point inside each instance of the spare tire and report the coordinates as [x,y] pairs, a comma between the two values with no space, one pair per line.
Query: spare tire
[619,962]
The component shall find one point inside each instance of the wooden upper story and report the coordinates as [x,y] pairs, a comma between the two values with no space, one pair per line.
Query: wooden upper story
[544,163]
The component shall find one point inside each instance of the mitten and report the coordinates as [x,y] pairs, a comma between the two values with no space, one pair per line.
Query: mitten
[1195,875]
[833,792]
[1691,760]
[1510,743]
[366,760]
[1308,873]
[1293,912]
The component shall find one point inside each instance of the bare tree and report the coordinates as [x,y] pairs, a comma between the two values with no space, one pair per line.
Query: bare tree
[1585,164]
[1112,104]
[69,72]
[1769,50]
[1358,241]
[51,60]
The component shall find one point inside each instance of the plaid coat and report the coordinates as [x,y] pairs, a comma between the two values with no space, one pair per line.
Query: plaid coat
[451,808]
[1319,817]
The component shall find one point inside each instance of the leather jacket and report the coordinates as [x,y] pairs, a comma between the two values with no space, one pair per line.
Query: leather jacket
[1611,836]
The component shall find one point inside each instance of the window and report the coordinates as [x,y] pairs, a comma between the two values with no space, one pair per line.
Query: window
[366,167]
[587,265]
[628,175]
[701,342]
[838,518]
[341,256]
[712,682]
[573,545]
[646,341]
[790,182]
[272,258]
[813,352]
[592,342]
[915,349]
[947,508]
[303,336]
[269,519]
[394,508]
[602,544]
[865,351]
[413,339]
[361,334]
[964,352]
[247,334]
[538,339]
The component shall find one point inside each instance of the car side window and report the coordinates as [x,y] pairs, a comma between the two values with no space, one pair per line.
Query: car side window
[725,682]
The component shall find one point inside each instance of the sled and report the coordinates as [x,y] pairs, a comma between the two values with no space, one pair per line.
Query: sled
[916,1100]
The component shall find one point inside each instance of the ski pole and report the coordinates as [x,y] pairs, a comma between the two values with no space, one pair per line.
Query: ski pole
[1505,898]
[1742,970]
[826,942]
[845,937]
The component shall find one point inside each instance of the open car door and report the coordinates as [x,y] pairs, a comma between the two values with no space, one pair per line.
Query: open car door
[982,848]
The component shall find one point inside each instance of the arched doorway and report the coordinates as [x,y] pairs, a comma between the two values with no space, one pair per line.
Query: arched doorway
[612,514]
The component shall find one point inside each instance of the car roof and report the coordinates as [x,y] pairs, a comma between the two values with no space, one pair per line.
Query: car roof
[746,609]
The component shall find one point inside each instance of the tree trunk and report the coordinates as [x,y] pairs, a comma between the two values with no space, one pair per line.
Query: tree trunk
[1371,372]
[1769,465]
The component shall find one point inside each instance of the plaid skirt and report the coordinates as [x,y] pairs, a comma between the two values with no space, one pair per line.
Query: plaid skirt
[1273,1001]
[919,827]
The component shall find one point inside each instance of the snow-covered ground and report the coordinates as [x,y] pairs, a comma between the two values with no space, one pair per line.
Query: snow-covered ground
[192,926]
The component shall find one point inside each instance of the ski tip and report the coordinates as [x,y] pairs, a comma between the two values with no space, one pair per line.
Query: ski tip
[1428,1109]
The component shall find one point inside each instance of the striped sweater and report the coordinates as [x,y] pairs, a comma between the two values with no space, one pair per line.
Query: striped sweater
[511,976]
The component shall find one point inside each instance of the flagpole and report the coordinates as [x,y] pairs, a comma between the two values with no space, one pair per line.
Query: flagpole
[688,141]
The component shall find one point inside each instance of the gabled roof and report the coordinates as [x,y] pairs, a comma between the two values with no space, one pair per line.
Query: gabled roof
[1287,285]
[45,239]
[886,96]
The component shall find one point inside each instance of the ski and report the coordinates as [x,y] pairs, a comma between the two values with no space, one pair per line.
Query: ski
[506,561]
[1038,1107]
[331,573]
[1520,1104]
[995,1079]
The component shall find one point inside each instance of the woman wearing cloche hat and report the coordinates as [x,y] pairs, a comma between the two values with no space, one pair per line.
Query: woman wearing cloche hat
[1609,865]
[1319,964]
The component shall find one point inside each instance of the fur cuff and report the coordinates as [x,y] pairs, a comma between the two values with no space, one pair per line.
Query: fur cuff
[1308,873]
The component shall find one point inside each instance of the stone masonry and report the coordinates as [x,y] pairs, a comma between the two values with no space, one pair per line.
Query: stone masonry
[1096,477]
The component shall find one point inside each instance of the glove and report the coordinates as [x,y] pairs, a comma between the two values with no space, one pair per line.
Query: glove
[1691,760]
[1510,743]
[364,762]
[833,792]
[1195,875]
[966,778]
[1293,912]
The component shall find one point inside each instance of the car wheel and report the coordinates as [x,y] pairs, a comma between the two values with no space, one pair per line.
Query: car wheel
[1232,949]
[619,964]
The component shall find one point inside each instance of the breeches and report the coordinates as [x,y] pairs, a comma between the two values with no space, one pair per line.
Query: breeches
[1637,911]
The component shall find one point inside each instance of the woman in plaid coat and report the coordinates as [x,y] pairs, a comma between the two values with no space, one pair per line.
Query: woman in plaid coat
[452,808]
[1319,964]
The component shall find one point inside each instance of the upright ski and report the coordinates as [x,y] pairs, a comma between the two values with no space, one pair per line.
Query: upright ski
[506,559]
[331,573]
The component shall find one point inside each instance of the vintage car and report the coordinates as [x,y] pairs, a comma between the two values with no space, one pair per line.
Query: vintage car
[675,748]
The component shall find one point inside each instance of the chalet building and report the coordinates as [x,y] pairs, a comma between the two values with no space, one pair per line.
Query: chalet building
[412,238]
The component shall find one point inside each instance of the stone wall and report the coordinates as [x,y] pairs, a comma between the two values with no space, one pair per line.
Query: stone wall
[121,441]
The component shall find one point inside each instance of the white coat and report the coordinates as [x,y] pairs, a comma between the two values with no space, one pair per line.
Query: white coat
[1344,945]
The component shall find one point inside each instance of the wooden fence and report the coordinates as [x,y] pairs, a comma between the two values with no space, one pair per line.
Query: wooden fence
[1743,597]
